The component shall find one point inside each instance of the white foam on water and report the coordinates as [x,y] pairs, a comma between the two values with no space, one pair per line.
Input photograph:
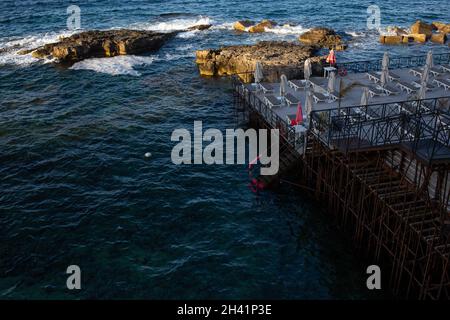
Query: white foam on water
[355,34]
[119,65]
[287,30]
[173,24]
[10,47]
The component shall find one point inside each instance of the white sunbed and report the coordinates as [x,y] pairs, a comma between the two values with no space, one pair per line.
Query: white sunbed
[436,71]
[374,76]
[446,68]
[266,87]
[272,101]
[318,97]
[297,84]
[390,90]
[406,87]
[442,83]
[393,76]
[418,84]
[291,99]
[374,91]
[416,71]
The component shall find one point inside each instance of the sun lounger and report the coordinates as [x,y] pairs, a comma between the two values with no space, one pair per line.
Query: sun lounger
[393,76]
[446,68]
[418,84]
[333,97]
[290,99]
[315,83]
[374,91]
[442,83]
[390,90]
[374,76]
[406,87]
[272,101]
[297,84]
[416,71]
[318,97]
[266,87]
[436,71]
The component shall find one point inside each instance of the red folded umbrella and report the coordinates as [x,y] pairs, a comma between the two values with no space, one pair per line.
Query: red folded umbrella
[331,58]
[298,117]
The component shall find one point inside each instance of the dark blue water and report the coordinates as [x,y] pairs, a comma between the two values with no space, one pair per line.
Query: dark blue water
[75,187]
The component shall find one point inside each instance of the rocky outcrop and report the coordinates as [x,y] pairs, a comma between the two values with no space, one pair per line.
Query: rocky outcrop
[441,27]
[276,57]
[420,32]
[324,38]
[99,44]
[200,27]
[250,26]
[420,27]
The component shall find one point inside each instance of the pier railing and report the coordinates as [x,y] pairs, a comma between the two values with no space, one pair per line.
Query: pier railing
[273,120]
[394,63]
[422,126]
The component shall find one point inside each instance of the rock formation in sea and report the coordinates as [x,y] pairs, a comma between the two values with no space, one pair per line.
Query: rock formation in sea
[252,27]
[276,57]
[99,44]
[323,38]
[420,32]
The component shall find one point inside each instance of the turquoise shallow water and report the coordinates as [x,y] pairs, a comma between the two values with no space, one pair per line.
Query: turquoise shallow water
[77,189]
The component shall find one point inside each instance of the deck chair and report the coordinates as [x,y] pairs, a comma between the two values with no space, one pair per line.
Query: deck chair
[416,71]
[390,90]
[436,71]
[418,85]
[374,91]
[442,83]
[297,84]
[266,87]
[374,76]
[393,76]
[406,87]
[272,101]
[290,99]
[318,97]
[315,83]
[446,68]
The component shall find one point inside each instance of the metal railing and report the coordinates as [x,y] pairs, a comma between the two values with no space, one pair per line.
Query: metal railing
[394,63]
[273,120]
[423,126]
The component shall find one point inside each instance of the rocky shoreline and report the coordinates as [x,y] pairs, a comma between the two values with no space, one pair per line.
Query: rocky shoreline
[277,58]
[100,44]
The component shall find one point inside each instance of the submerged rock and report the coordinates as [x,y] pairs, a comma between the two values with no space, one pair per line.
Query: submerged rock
[200,27]
[324,38]
[276,57]
[250,26]
[99,44]
[441,27]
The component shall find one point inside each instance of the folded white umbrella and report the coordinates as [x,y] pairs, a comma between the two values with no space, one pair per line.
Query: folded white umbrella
[384,77]
[308,104]
[422,92]
[385,62]
[331,82]
[307,69]
[425,74]
[283,85]
[259,75]
[429,61]
[365,97]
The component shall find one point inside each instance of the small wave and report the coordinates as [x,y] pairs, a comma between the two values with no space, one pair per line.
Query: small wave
[10,47]
[355,34]
[287,29]
[173,24]
[120,65]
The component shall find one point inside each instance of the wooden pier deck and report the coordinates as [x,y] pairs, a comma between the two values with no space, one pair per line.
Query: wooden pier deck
[383,169]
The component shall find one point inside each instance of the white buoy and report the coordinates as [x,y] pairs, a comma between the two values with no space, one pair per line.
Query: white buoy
[148,155]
